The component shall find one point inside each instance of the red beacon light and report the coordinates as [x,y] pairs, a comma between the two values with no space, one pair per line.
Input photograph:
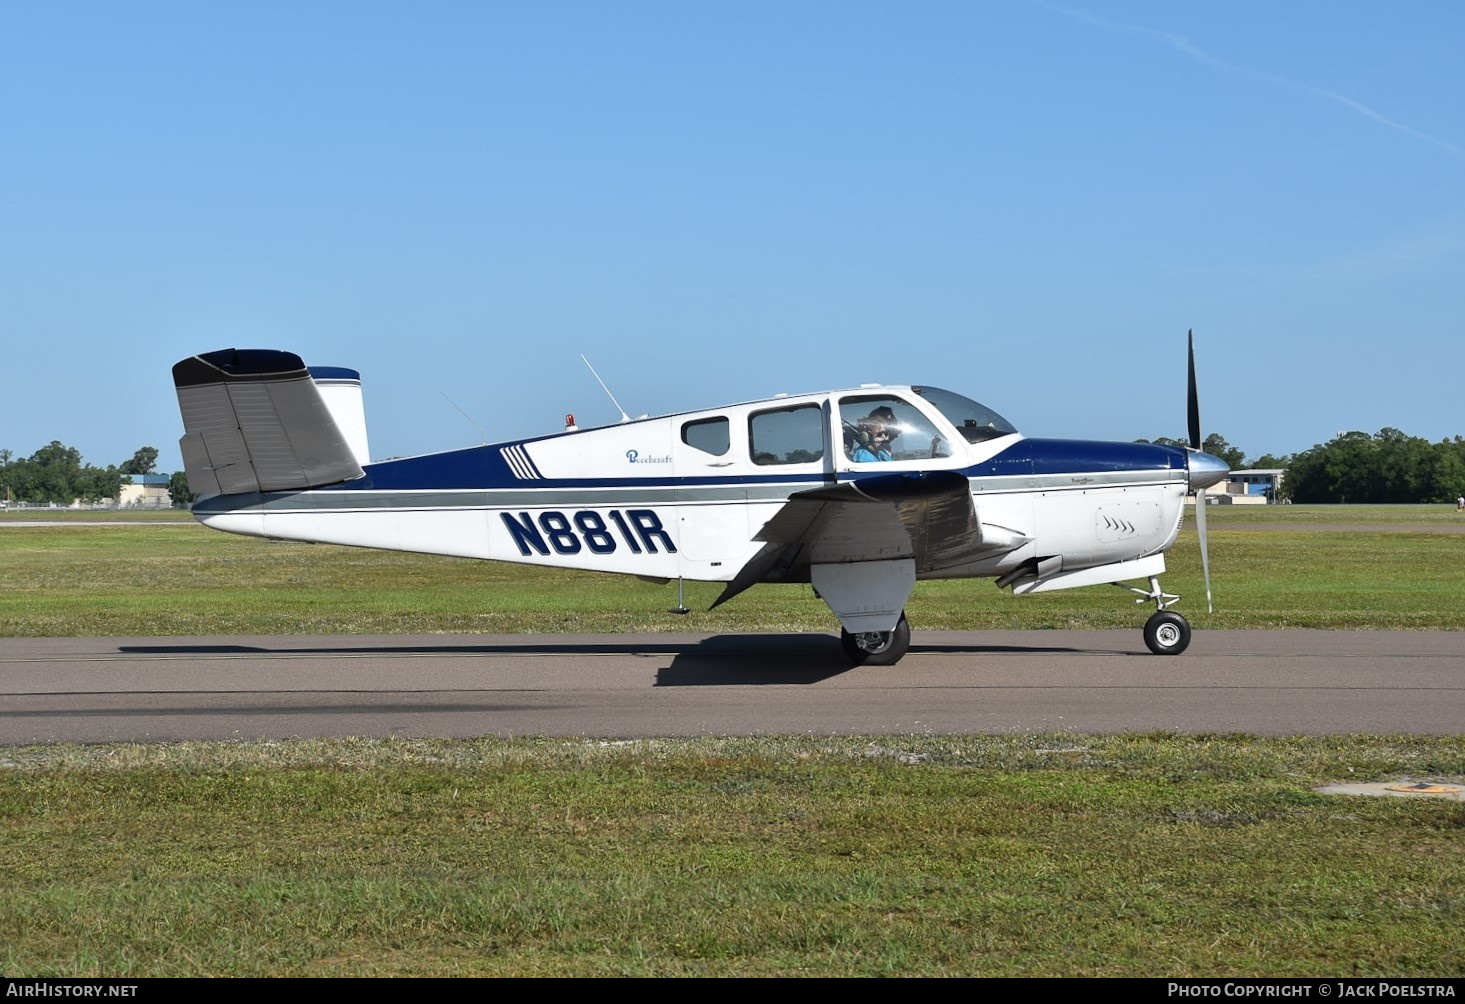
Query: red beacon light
[570,425]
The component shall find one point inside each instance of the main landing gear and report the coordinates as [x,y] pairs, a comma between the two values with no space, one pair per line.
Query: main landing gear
[1166,632]
[877,648]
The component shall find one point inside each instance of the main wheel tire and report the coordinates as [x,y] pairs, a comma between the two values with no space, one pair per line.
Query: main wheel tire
[877,648]
[1167,633]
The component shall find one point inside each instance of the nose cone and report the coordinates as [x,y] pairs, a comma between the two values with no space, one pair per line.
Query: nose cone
[1205,470]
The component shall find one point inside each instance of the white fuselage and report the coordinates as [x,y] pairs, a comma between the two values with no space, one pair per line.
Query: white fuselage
[686,496]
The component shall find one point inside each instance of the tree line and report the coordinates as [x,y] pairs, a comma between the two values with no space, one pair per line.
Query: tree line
[56,473]
[1387,467]
[1358,468]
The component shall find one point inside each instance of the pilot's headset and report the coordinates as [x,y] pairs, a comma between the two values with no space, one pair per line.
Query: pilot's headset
[883,418]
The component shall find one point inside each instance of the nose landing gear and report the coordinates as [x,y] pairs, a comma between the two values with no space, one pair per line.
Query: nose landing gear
[1166,632]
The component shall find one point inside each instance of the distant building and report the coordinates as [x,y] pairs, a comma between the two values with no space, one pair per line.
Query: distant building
[147,491]
[1256,486]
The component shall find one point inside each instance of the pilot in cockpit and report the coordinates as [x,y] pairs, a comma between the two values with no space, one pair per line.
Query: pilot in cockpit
[874,436]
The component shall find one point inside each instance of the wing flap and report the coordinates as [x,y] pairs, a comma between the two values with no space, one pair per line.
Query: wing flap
[926,517]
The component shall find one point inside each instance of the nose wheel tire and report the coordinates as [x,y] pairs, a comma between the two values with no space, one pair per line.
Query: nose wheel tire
[877,648]
[1167,633]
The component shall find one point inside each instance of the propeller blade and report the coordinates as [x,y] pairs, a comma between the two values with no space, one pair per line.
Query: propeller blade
[1192,401]
[1193,415]
[1205,560]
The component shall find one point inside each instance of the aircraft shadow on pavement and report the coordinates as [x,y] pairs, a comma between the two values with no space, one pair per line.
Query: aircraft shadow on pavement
[718,660]
[743,659]
[721,660]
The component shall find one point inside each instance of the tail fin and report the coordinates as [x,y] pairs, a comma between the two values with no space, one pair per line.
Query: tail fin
[341,390]
[254,421]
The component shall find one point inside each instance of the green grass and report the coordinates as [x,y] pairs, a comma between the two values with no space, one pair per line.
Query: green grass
[140,580]
[1339,515]
[898,856]
[16,515]
[1149,855]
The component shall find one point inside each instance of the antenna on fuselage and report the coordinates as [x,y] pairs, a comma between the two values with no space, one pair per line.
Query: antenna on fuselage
[465,415]
[624,416]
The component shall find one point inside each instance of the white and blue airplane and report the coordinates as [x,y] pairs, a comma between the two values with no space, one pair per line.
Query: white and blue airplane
[859,492]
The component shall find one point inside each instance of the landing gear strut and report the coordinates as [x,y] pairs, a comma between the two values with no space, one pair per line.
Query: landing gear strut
[1166,632]
[877,648]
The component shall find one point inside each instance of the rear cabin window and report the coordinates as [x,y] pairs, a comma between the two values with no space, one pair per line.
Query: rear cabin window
[787,436]
[710,435]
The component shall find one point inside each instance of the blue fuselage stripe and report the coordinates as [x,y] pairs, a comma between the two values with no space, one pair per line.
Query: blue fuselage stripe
[480,478]
[484,468]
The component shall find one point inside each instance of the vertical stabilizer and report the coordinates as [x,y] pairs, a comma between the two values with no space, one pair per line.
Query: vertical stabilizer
[341,390]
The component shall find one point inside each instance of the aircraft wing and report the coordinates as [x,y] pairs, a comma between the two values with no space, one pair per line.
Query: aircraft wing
[254,421]
[927,517]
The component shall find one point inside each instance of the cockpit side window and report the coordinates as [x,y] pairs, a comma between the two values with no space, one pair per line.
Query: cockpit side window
[879,428]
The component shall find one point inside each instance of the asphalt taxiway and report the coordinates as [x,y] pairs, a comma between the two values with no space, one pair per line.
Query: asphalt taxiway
[96,690]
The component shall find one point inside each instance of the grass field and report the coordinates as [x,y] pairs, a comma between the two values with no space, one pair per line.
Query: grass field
[1389,570]
[1032,856]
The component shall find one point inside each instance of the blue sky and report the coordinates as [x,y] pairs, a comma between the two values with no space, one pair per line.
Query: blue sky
[1023,201]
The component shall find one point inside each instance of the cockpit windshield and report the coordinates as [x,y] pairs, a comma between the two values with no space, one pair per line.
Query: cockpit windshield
[974,421]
